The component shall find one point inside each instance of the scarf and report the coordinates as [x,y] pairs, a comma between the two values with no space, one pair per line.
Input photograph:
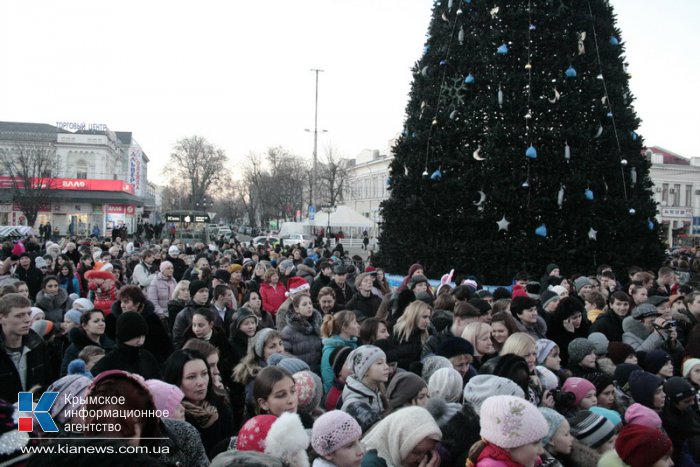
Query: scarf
[202,414]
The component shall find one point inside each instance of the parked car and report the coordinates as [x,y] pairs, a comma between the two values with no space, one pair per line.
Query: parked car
[306,241]
[225,231]
[265,239]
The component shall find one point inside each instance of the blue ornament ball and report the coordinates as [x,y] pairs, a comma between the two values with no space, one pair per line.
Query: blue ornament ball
[589,195]
[531,152]
[502,49]
[469,79]
[614,41]
[570,72]
[541,230]
[650,224]
[436,176]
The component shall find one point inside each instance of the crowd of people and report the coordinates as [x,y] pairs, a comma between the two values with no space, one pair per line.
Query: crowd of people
[233,354]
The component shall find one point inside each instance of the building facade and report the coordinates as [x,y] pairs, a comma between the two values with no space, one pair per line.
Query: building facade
[99,178]
[676,189]
[367,187]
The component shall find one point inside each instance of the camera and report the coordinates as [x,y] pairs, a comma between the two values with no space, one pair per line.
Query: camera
[671,323]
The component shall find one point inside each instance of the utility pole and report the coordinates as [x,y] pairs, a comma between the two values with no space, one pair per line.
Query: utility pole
[313,171]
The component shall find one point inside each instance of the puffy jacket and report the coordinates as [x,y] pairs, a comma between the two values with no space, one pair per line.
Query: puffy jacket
[302,338]
[54,306]
[37,358]
[610,324]
[159,292]
[356,391]
[272,297]
[157,339]
[330,344]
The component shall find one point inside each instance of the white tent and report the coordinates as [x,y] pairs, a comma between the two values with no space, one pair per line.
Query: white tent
[343,216]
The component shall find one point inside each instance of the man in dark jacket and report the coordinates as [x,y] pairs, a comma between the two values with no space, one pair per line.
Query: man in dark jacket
[364,302]
[322,279]
[339,284]
[27,272]
[610,322]
[23,353]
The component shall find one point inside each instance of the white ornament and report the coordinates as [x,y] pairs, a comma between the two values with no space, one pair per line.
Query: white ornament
[593,234]
[560,196]
[503,224]
[567,151]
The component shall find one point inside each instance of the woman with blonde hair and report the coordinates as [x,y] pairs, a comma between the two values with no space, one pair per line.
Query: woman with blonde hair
[409,335]
[178,301]
[479,335]
[523,345]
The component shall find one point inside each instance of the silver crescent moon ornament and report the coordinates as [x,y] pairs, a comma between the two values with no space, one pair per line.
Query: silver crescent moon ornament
[560,197]
[460,35]
[599,132]
[482,198]
[476,155]
[424,71]
[500,96]
[555,98]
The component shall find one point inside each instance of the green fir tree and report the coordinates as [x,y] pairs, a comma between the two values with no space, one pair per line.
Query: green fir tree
[527,102]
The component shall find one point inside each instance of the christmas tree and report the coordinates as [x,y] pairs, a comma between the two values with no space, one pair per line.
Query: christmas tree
[520,146]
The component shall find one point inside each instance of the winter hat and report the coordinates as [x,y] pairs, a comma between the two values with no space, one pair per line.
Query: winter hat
[611,415]
[511,422]
[164,265]
[166,397]
[83,304]
[483,293]
[363,414]
[417,279]
[547,297]
[600,381]
[445,383]
[432,364]
[581,282]
[251,436]
[40,262]
[235,267]
[501,292]
[74,316]
[623,372]
[619,351]
[130,325]
[222,275]
[644,310]
[338,357]
[657,300]
[643,385]
[689,365]
[554,420]
[481,387]
[296,285]
[403,388]
[259,341]
[655,360]
[454,346]
[637,414]
[43,327]
[641,446]
[591,429]
[578,349]
[579,387]
[197,285]
[309,388]
[78,367]
[441,319]
[68,388]
[362,358]
[544,347]
[334,430]
[286,266]
[243,315]
[558,289]
[548,378]
[600,342]
[678,389]
[173,250]
[397,434]
[291,364]
[37,312]
[442,411]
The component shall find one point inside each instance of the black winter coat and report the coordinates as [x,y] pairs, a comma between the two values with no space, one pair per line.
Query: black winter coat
[79,340]
[366,307]
[302,338]
[342,294]
[132,359]
[37,367]
[32,277]
[404,353]
[609,324]
[157,341]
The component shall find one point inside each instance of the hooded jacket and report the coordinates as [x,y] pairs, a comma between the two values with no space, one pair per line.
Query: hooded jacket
[356,391]
[330,344]
[302,338]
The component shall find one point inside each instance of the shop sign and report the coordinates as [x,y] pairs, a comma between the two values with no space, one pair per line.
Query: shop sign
[677,212]
[114,208]
[5,207]
[72,184]
[173,218]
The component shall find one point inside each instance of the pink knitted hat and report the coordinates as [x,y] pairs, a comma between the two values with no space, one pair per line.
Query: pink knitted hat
[165,396]
[638,414]
[578,386]
[511,422]
[332,431]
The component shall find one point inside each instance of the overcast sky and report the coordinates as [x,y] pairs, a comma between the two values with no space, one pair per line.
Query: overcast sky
[238,72]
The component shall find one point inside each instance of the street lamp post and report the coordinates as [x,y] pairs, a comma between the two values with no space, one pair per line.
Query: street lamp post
[328,209]
[315,131]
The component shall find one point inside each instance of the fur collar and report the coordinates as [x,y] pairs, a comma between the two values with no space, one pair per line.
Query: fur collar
[310,325]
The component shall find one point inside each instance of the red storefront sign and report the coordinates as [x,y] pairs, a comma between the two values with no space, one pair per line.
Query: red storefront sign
[128,209]
[75,184]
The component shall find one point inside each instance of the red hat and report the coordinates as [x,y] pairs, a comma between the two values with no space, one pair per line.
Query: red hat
[296,285]
[370,269]
[252,434]
[519,291]
[641,446]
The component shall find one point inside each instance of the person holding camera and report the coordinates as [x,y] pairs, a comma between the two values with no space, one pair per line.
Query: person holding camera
[646,330]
